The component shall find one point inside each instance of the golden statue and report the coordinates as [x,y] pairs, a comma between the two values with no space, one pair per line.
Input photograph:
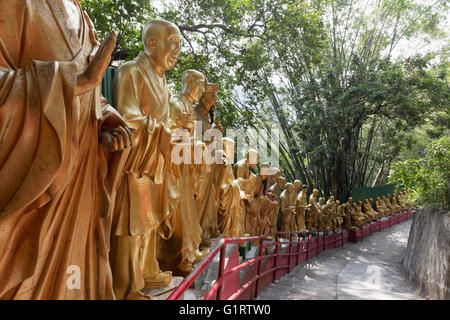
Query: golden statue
[231,206]
[287,209]
[332,217]
[323,209]
[181,251]
[209,175]
[384,205]
[392,208]
[301,206]
[241,168]
[58,183]
[148,192]
[349,214]
[273,196]
[380,208]
[339,214]
[265,176]
[313,212]
[357,219]
[368,210]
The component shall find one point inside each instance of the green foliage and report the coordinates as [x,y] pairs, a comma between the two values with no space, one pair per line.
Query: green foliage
[125,17]
[428,177]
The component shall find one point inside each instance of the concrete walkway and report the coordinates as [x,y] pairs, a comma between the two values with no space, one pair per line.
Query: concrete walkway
[370,270]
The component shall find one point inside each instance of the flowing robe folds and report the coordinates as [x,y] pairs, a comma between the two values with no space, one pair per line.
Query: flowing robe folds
[55,187]
[148,192]
[300,210]
[184,244]
[274,210]
[231,207]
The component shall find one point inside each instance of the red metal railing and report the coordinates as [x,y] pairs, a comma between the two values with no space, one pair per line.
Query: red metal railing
[305,246]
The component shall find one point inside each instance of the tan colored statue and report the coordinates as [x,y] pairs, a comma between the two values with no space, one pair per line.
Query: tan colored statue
[368,210]
[384,205]
[293,200]
[241,168]
[313,212]
[340,212]
[231,207]
[58,183]
[148,193]
[332,216]
[380,208]
[357,219]
[389,205]
[349,214]
[300,208]
[287,210]
[181,251]
[273,196]
[209,175]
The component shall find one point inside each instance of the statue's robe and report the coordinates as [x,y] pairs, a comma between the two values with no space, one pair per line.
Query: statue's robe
[208,181]
[300,210]
[185,241]
[231,206]
[285,211]
[55,187]
[148,192]
[274,209]
[313,214]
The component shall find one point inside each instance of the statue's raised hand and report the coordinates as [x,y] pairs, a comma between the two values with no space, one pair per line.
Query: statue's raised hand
[93,75]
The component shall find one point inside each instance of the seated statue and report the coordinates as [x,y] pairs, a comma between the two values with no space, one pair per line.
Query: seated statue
[380,208]
[349,214]
[383,203]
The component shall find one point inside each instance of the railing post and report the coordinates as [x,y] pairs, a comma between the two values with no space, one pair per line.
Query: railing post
[290,252]
[275,264]
[221,268]
[298,249]
[258,271]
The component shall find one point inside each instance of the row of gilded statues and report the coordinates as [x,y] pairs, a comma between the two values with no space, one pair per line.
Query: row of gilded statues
[99,202]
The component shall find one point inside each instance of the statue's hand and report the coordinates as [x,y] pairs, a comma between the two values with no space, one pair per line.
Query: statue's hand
[93,75]
[117,139]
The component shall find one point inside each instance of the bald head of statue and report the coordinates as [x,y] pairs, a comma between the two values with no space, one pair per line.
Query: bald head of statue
[161,41]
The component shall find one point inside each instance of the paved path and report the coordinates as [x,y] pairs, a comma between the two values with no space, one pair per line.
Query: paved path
[370,269]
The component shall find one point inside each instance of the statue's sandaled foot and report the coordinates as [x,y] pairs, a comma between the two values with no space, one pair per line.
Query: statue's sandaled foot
[201,255]
[183,269]
[205,242]
[162,279]
[138,296]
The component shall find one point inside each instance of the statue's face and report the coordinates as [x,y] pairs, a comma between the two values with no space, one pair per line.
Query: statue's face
[297,184]
[289,187]
[196,87]
[315,192]
[165,48]
[209,99]
[350,199]
[332,198]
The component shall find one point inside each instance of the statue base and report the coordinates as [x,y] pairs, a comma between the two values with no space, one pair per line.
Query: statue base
[163,292]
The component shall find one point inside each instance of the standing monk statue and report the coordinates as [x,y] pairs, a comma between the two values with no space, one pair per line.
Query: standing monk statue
[148,192]
[287,210]
[301,206]
[273,196]
[57,181]
[313,212]
[181,251]
[210,172]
